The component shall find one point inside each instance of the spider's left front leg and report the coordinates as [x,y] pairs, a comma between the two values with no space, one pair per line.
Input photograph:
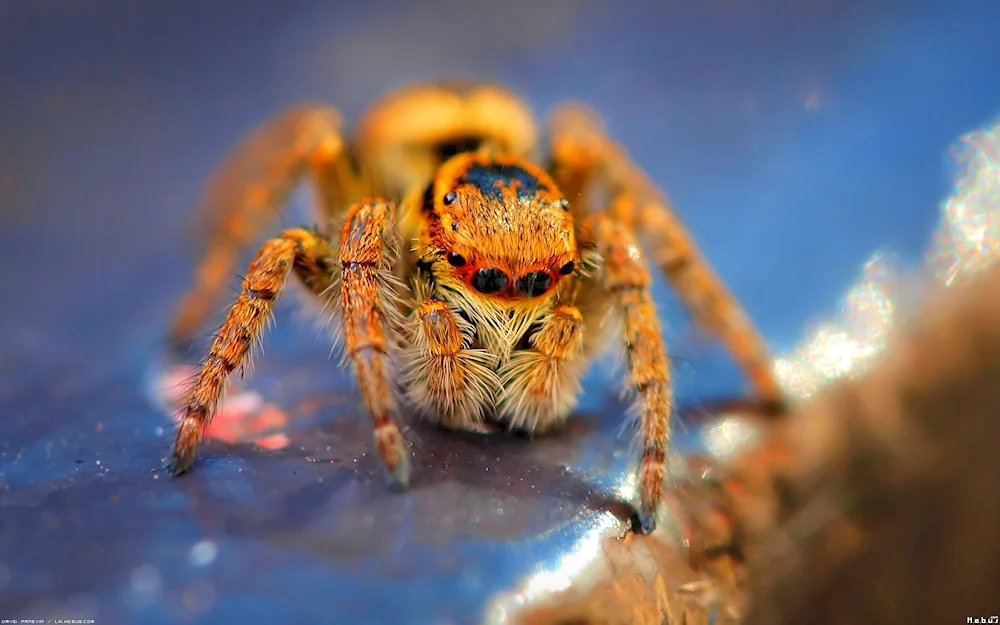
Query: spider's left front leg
[627,280]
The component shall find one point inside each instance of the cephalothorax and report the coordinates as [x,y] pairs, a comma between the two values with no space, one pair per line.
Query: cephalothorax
[469,282]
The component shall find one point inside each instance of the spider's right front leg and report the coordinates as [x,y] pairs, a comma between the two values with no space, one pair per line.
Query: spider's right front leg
[626,280]
[449,382]
[368,306]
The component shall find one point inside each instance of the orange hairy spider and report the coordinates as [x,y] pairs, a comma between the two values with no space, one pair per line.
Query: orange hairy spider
[470,282]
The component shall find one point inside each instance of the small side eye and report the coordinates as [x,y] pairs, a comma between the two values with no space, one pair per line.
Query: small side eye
[564,204]
[456,260]
[567,269]
[450,197]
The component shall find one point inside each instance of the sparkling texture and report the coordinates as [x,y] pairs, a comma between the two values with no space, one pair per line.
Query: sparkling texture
[842,345]
[966,240]
[968,236]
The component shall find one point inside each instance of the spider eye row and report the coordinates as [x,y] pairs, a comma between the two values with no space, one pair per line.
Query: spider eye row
[490,280]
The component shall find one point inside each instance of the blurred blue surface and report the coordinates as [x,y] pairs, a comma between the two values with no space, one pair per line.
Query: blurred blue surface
[795,138]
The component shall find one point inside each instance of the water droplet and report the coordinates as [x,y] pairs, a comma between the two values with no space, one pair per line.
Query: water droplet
[203,553]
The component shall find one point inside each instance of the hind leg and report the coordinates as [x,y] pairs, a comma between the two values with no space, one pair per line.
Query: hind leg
[248,191]
[589,165]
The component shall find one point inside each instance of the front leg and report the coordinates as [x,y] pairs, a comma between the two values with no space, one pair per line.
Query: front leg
[448,382]
[368,297]
[297,250]
[541,384]
[626,279]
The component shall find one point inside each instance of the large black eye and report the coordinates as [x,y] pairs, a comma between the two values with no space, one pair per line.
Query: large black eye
[489,280]
[456,260]
[450,197]
[533,284]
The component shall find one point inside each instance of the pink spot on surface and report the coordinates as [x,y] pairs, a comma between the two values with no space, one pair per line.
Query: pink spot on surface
[243,415]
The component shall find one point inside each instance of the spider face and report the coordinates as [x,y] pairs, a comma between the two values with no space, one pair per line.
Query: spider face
[502,228]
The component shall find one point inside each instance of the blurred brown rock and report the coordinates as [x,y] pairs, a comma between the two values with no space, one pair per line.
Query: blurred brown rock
[877,502]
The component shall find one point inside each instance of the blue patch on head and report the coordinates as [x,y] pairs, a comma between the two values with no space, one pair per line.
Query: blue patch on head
[489,179]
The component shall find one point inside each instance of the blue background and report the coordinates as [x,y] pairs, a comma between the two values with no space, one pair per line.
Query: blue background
[795,138]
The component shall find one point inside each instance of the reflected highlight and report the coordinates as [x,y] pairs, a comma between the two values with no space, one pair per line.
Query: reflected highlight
[966,240]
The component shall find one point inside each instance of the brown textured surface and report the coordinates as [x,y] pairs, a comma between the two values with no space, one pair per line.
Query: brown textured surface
[901,463]
[882,506]
[647,581]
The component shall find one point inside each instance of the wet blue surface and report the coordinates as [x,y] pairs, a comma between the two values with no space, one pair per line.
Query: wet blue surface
[794,138]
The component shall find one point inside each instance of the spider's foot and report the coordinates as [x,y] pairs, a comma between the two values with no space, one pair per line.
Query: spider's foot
[652,473]
[401,473]
[185,445]
[179,463]
[392,448]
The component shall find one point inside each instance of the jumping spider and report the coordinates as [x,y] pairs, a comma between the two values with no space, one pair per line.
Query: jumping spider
[489,313]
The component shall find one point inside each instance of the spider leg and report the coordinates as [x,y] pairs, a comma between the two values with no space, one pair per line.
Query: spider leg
[297,250]
[541,384]
[589,166]
[626,279]
[449,382]
[712,304]
[248,190]
[368,303]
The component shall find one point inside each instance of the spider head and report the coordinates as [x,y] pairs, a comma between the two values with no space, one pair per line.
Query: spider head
[505,230]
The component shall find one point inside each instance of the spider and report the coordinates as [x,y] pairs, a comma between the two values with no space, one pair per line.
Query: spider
[470,279]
